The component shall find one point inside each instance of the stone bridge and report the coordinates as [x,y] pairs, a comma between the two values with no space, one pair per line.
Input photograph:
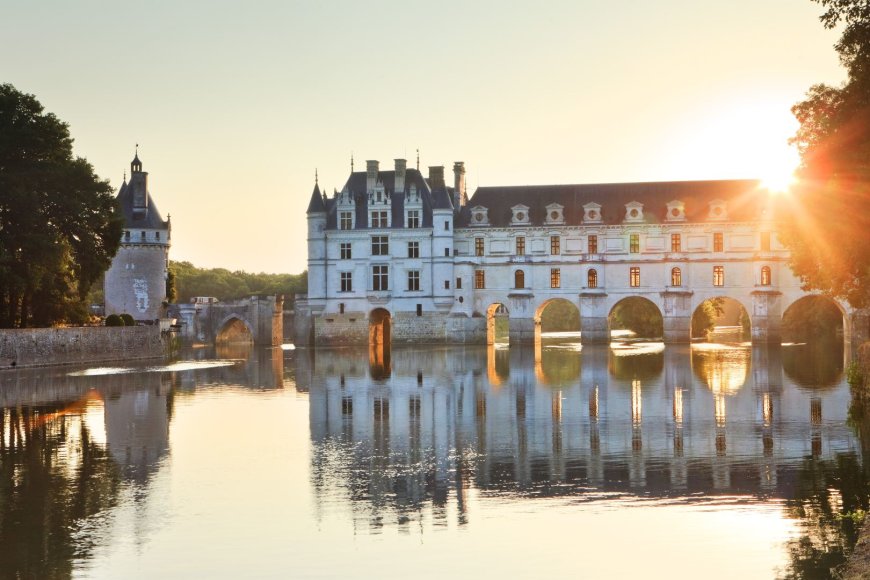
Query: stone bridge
[258,319]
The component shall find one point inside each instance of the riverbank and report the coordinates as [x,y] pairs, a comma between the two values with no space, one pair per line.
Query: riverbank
[35,347]
[858,565]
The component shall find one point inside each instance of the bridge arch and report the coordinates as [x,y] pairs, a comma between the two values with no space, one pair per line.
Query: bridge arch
[721,319]
[234,329]
[826,314]
[566,326]
[637,314]
[497,323]
[380,328]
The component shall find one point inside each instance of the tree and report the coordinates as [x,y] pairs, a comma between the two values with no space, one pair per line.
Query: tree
[59,227]
[706,315]
[189,281]
[638,315]
[827,221]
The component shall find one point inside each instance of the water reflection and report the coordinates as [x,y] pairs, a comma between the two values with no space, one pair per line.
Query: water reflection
[716,422]
[75,443]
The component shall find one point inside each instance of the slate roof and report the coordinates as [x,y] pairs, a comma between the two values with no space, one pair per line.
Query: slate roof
[150,219]
[356,185]
[742,198]
[316,203]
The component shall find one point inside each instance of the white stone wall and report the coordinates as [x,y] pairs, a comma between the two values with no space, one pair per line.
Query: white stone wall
[136,281]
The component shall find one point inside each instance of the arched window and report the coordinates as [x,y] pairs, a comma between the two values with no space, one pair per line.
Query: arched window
[676,277]
[519,279]
[765,275]
[592,279]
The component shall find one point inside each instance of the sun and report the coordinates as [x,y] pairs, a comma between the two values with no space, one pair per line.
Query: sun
[779,182]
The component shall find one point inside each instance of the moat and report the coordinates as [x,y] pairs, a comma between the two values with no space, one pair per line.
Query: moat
[638,460]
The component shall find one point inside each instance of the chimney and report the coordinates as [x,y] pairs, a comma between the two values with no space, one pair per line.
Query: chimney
[436,176]
[371,175]
[399,184]
[459,196]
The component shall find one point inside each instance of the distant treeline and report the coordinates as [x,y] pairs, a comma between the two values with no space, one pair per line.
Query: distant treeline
[223,284]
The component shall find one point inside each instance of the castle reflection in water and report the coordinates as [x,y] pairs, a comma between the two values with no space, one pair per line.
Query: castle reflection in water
[422,427]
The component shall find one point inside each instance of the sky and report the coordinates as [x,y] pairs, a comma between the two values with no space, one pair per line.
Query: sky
[234,105]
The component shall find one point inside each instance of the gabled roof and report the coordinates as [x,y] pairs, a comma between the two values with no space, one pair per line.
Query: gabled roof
[742,197]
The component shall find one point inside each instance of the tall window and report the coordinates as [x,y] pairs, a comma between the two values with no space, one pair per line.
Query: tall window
[634,277]
[459,283]
[380,246]
[127,236]
[479,279]
[555,278]
[379,219]
[413,249]
[380,277]
[519,279]
[765,241]
[718,242]
[345,221]
[142,236]
[413,280]
[718,275]
[413,218]
[345,250]
[593,244]
[676,277]
[521,246]
[765,275]
[634,243]
[592,279]
[478,246]
[676,245]
[346,282]
[555,245]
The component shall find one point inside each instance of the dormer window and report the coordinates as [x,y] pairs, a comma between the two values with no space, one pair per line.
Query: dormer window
[379,219]
[555,214]
[520,215]
[479,216]
[676,211]
[592,213]
[634,211]
[718,210]
[414,218]
[127,236]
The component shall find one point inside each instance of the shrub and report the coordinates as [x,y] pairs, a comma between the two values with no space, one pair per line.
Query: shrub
[114,320]
[128,320]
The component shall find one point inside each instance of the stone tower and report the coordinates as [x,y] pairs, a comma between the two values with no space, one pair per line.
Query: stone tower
[136,280]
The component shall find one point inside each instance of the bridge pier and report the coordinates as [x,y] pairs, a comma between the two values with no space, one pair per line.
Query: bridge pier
[594,318]
[676,316]
[766,316]
[523,331]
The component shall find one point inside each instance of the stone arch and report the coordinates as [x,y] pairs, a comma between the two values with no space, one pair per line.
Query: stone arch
[234,329]
[638,314]
[497,324]
[569,332]
[735,315]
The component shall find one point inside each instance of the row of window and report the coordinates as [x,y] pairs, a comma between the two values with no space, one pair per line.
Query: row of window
[633,244]
[380,219]
[142,236]
[381,247]
[381,278]
[633,277]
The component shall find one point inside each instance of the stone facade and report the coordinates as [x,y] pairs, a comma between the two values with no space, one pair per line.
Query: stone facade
[440,264]
[136,281]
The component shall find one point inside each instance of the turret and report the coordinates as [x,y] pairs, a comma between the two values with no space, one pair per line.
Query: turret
[316,244]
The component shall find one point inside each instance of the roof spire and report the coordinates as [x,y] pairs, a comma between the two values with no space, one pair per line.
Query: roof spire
[351,161]
[315,176]
[418,159]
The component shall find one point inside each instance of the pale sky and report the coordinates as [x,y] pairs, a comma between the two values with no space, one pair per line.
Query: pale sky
[234,104]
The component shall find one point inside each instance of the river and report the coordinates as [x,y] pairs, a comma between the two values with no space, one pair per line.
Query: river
[639,460]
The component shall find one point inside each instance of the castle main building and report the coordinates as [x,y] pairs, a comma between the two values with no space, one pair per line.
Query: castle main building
[398,256]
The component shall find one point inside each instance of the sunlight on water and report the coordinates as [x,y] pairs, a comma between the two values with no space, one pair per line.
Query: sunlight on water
[180,366]
[635,348]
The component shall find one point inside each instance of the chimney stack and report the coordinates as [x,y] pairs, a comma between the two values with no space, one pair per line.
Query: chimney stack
[371,175]
[460,197]
[399,184]
[436,176]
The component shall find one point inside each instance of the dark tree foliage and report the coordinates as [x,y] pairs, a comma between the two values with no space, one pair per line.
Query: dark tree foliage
[638,315]
[223,284]
[59,228]
[828,219]
[560,316]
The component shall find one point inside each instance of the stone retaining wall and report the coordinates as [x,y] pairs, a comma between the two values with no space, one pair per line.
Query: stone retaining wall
[29,347]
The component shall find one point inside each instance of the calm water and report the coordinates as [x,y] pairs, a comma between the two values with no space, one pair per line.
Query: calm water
[715,461]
